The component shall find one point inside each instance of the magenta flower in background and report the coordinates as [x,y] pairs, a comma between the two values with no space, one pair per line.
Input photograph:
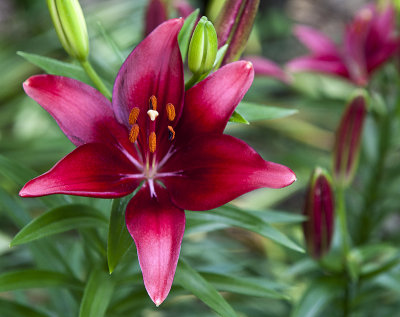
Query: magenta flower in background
[156,14]
[154,132]
[319,208]
[264,67]
[368,42]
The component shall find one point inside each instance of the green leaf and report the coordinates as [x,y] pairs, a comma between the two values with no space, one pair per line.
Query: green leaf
[192,281]
[55,67]
[17,280]
[238,118]
[220,55]
[256,112]
[119,239]
[243,285]
[236,217]
[9,308]
[317,296]
[186,33]
[97,295]
[21,174]
[60,219]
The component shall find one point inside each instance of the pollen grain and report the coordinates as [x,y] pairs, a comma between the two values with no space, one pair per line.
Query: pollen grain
[153,103]
[134,115]
[171,133]
[152,142]
[134,133]
[170,111]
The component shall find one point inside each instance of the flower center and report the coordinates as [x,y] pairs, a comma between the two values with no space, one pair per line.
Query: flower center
[150,135]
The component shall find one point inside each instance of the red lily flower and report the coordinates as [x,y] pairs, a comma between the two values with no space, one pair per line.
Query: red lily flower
[369,41]
[177,147]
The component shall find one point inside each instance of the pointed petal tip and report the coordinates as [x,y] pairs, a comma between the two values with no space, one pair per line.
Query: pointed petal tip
[158,302]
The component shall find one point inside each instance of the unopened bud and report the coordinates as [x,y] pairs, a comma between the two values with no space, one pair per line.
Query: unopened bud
[70,26]
[348,139]
[319,208]
[203,47]
[233,25]
[155,15]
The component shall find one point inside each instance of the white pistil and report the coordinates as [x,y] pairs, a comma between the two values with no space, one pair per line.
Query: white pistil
[153,114]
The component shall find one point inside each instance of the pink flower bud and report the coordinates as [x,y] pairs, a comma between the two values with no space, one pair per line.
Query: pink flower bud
[233,25]
[155,15]
[319,208]
[348,139]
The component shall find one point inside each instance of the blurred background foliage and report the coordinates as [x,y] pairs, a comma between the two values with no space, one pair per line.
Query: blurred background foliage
[289,282]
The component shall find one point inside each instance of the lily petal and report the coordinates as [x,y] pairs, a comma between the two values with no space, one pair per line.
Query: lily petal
[79,109]
[157,227]
[215,169]
[92,170]
[153,68]
[310,63]
[266,67]
[317,42]
[210,103]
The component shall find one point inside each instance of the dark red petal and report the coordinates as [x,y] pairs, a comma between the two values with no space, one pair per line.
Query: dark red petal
[153,68]
[157,227]
[318,43]
[92,170]
[82,113]
[210,104]
[155,15]
[215,169]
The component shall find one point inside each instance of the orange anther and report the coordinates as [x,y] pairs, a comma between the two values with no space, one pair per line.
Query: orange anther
[153,103]
[171,133]
[170,112]
[134,115]
[133,135]
[152,142]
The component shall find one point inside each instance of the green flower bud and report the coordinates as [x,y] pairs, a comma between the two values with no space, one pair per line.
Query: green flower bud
[70,26]
[203,48]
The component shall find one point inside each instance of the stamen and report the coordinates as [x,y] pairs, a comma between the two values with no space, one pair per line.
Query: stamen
[153,103]
[134,115]
[171,133]
[152,142]
[133,135]
[170,111]
[153,114]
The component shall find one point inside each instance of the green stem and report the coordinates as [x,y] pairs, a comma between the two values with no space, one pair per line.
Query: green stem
[192,81]
[95,78]
[368,216]
[341,211]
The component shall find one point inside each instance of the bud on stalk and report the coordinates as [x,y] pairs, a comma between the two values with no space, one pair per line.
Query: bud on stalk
[319,208]
[233,25]
[203,48]
[155,15]
[70,26]
[348,140]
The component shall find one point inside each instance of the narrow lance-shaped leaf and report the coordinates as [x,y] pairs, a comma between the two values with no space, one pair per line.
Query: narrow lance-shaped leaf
[97,294]
[25,279]
[55,67]
[119,239]
[240,218]
[244,285]
[186,33]
[192,281]
[9,308]
[60,219]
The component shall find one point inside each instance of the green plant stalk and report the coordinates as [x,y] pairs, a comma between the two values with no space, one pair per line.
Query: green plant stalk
[95,78]
[371,193]
[341,211]
[192,81]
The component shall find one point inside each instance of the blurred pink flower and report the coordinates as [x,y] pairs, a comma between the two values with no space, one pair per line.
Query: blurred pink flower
[368,42]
